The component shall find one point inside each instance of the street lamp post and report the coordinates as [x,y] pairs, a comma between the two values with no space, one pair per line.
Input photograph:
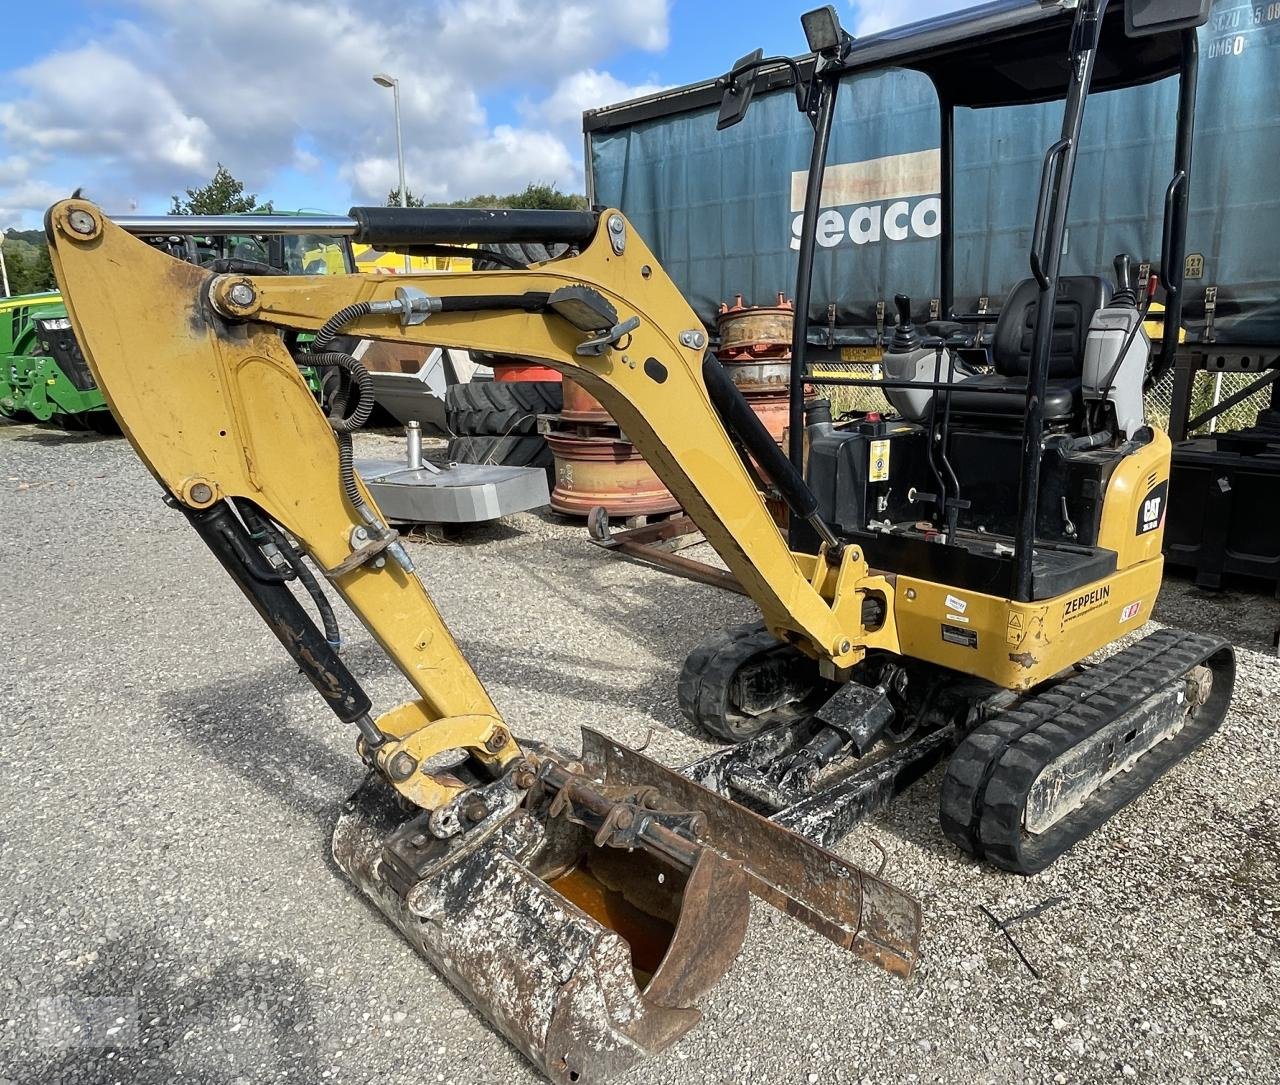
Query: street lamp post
[384,80]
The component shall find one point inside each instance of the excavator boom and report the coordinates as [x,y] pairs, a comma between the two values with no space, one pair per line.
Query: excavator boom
[583,902]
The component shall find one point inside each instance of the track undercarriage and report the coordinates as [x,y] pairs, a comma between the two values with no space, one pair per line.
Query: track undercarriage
[1028,775]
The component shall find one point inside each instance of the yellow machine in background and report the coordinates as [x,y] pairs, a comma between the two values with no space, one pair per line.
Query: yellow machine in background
[376,262]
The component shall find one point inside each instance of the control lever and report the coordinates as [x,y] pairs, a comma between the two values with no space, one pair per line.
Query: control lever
[1153,284]
[1125,295]
[905,338]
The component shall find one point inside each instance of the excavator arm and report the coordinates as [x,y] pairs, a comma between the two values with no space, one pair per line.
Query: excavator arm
[582,901]
[240,424]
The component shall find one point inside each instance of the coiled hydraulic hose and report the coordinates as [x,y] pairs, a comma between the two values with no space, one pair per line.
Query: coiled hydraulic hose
[338,323]
[343,422]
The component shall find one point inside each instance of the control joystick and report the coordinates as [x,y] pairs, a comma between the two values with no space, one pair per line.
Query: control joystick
[905,337]
[1126,296]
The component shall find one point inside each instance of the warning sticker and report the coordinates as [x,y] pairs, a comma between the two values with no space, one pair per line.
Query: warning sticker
[1016,630]
[1131,611]
[953,634]
[879,461]
[861,354]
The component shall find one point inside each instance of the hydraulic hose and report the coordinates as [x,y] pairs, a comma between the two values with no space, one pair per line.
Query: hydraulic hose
[363,383]
[338,323]
[262,527]
[308,580]
[344,423]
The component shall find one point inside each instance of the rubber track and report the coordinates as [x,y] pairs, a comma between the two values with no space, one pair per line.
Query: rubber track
[690,684]
[709,671]
[991,773]
[500,408]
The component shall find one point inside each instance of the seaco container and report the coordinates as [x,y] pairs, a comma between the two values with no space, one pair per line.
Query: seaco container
[721,209]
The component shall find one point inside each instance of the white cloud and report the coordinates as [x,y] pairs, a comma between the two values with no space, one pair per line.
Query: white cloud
[154,102]
[587,89]
[873,16]
[20,198]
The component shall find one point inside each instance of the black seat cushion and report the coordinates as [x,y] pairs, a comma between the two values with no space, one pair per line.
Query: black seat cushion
[974,396]
[1079,297]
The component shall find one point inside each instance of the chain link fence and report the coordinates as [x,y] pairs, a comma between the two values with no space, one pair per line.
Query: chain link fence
[1209,389]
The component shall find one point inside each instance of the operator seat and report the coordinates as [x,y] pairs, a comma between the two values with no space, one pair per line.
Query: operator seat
[1079,297]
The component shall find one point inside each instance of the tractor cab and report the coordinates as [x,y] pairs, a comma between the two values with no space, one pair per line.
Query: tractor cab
[1007,430]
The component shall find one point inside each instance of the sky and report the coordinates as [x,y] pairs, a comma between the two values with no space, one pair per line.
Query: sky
[135,100]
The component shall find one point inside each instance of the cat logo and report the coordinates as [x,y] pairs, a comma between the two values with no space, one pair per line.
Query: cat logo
[1151,511]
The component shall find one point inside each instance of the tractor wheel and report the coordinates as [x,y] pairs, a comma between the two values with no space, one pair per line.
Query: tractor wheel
[500,408]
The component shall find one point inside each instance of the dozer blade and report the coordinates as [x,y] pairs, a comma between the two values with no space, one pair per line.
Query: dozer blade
[586,922]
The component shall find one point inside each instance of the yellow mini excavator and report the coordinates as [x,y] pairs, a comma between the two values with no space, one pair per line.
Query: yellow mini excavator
[583,901]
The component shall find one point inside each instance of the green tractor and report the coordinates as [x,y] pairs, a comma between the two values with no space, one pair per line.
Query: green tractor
[43,375]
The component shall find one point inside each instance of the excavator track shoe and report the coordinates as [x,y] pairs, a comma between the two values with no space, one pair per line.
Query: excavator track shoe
[1029,784]
[586,922]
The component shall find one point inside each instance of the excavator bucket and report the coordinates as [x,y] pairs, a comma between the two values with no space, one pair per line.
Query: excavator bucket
[586,922]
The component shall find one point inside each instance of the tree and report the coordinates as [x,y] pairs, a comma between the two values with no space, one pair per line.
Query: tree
[29,268]
[223,195]
[393,199]
[537,195]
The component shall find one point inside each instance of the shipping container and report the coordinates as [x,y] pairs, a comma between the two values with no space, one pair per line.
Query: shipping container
[721,209]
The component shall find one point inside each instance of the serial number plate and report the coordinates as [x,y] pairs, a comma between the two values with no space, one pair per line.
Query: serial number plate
[861,354]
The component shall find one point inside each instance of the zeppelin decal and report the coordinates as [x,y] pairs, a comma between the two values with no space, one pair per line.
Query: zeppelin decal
[1082,603]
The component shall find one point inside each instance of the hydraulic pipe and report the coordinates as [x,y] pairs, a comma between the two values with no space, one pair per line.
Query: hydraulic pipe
[1173,256]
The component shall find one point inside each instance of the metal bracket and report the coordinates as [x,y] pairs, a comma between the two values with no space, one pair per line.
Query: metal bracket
[1210,311]
[617,234]
[880,309]
[361,554]
[605,340]
[413,305]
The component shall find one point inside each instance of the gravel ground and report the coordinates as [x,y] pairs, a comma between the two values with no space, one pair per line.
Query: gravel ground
[169,912]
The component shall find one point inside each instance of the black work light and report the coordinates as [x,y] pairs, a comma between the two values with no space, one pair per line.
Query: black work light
[822,30]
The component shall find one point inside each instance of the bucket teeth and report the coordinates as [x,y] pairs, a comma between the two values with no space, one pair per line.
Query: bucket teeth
[587,935]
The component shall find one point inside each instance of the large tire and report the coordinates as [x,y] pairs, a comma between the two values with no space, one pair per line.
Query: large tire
[523,254]
[520,451]
[500,408]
